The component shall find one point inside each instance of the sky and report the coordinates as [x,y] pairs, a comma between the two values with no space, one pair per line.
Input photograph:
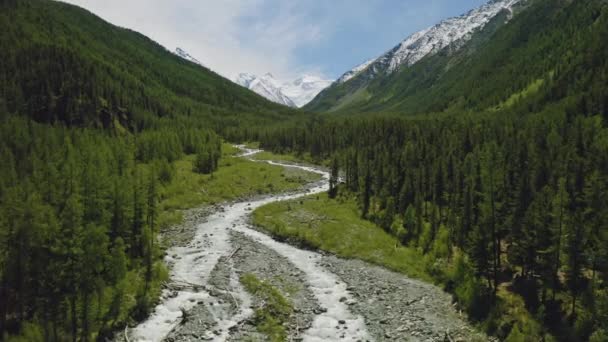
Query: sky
[287,38]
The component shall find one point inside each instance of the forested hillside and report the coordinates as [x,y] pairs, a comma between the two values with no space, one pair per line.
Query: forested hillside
[92,118]
[546,52]
[99,75]
[505,189]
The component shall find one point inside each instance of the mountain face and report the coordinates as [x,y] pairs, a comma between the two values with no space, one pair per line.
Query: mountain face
[448,35]
[429,41]
[293,94]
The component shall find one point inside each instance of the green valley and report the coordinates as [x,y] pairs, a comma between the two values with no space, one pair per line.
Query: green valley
[454,188]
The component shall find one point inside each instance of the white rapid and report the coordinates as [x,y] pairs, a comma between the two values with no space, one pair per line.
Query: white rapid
[192,265]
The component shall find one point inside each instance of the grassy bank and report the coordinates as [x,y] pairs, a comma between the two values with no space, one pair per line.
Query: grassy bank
[335,225]
[272,317]
[235,178]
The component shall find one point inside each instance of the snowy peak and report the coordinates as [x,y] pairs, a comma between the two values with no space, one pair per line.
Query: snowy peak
[450,32]
[304,89]
[183,54]
[434,39]
[293,94]
[266,86]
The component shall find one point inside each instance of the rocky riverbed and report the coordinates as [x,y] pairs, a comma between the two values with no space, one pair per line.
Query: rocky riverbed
[333,299]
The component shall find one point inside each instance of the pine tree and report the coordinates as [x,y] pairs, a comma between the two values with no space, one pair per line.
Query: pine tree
[576,239]
[92,265]
[480,253]
[137,225]
[334,178]
[366,194]
[71,238]
[409,223]
[595,220]
[118,262]
[559,212]
[151,214]
[490,178]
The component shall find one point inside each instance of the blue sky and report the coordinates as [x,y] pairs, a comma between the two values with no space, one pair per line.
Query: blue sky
[285,37]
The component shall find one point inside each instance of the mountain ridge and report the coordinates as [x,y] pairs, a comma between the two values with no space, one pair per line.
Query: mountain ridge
[435,38]
[449,34]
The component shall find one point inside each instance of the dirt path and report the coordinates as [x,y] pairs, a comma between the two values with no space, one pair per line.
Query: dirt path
[334,299]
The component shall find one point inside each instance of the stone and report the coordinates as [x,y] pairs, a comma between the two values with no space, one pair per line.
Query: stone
[319,311]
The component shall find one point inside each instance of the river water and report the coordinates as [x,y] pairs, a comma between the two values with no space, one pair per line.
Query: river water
[191,266]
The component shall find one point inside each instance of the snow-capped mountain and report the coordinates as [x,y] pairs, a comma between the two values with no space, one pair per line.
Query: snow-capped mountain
[452,32]
[304,89]
[293,94]
[183,54]
[266,86]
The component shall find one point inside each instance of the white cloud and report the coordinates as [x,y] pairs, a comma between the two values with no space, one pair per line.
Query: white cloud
[228,36]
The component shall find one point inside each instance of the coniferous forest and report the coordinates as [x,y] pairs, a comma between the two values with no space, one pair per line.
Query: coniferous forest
[511,197]
[493,163]
[92,118]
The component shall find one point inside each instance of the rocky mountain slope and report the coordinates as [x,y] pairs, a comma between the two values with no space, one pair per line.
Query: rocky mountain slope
[432,40]
[448,37]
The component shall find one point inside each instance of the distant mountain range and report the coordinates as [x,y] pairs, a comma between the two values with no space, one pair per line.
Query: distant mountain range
[293,94]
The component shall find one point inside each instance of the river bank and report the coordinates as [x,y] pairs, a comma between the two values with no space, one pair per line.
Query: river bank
[333,299]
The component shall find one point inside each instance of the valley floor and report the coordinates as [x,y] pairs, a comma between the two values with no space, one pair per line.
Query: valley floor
[230,281]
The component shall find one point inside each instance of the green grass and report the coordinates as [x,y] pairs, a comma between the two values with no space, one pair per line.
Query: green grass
[271,318]
[337,227]
[235,178]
